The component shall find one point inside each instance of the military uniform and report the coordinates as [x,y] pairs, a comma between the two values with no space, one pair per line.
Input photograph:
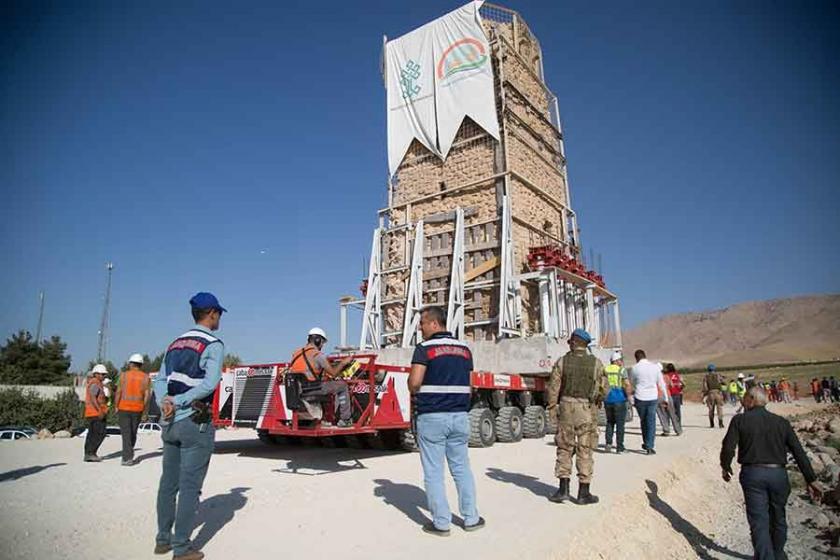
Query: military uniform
[576,386]
[713,397]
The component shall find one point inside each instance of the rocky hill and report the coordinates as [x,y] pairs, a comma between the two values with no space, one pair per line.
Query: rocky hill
[779,330]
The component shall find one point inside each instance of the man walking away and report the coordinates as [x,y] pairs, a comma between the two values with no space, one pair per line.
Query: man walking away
[191,369]
[96,409]
[826,389]
[131,400]
[675,387]
[440,382]
[835,389]
[576,388]
[733,392]
[648,385]
[816,389]
[713,395]
[763,440]
[615,405]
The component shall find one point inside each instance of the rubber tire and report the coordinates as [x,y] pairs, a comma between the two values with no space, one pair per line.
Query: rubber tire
[482,427]
[407,441]
[534,422]
[509,424]
[550,425]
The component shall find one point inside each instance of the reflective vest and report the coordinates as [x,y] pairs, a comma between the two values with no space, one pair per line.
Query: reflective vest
[133,384]
[91,410]
[183,362]
[742,390]
[304,362]
[614,377]
[733,387]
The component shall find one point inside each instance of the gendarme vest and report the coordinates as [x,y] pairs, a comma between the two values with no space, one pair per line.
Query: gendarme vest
[579,375]
[183,362]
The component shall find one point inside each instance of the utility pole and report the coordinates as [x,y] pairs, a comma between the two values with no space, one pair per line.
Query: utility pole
[38,331]
[102,350]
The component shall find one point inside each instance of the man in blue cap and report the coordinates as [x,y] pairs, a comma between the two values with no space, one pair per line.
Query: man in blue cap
[576,388]
[184,387]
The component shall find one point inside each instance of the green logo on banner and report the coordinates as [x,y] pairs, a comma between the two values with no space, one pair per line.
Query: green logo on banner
[408,77]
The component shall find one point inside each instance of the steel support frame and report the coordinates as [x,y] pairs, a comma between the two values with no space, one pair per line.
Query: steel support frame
[414,294]
[455,311]
[371,336]
[509,296]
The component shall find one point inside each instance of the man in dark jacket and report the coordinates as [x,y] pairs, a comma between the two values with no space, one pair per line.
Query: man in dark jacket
[763,440]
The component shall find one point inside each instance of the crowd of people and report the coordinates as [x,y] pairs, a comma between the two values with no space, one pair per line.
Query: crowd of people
[439,380]
[826,390]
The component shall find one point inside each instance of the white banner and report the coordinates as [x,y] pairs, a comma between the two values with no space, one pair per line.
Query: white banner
[437,75]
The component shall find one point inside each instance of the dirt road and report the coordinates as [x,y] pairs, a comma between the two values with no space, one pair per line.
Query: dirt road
[268,502]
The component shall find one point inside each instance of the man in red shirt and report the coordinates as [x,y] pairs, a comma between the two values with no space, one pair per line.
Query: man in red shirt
[675,389]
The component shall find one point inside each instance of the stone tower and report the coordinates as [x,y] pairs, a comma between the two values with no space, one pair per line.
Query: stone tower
[498,291]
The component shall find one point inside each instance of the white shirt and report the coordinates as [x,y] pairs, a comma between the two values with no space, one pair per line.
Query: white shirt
[646,376]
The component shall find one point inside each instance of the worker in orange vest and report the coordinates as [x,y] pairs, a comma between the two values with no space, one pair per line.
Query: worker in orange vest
[321,377]
[96,409]
[130,400]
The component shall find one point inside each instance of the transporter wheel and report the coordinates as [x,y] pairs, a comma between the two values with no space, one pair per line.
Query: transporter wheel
[533,423]
[482,427]
[354,441]
[509,424]
[550,424]
[407,441]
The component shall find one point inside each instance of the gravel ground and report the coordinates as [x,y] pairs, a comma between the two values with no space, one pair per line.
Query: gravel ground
[265,501]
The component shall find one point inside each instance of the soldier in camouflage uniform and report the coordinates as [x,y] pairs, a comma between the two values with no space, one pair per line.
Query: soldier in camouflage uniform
[712,395]
[576,387]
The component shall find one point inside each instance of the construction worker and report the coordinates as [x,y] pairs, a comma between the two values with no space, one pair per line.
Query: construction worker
[712,395]
[733,392]
[322,378]
[742,390]
[576,388]
[96,409]
[131,400]
[615,404]
[184,387]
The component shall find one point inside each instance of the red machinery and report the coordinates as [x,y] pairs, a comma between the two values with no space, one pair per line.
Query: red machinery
[546,256]
[504,407]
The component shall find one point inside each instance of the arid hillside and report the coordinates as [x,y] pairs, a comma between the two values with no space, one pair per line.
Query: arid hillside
[779,330]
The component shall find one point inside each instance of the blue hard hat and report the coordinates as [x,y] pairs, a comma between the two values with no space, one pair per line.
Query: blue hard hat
[583,335]
[206,300]
[711,367]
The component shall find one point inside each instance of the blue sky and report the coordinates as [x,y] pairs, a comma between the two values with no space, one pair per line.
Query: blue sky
[240,148]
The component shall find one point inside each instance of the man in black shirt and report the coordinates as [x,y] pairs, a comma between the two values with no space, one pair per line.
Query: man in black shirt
[763,440]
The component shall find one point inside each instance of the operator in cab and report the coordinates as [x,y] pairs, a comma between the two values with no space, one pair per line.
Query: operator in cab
[321,377]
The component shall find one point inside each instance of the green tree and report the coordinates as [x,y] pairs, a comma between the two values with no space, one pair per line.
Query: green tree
[23,361]
[231,360]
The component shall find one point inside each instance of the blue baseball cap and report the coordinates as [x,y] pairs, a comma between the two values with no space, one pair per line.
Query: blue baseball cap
[206,300]
[583,335]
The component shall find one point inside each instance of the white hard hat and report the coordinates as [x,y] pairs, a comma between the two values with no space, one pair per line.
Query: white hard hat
[99,368]
[136,359]
[616,356]
[318,331]
[740,376]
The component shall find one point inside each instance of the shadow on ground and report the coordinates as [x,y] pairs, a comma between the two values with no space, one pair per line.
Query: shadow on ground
[701,544]
[530,483]
[217,511]
[17,474]
[407,498]
[302,460]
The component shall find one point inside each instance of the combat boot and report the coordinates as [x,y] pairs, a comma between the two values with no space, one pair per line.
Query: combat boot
[585,497]
[720,422]
[562,493]
[712,422]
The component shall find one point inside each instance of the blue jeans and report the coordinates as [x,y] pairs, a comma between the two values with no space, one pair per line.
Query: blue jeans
[766,492]
[186,456]
[439,435]
[647,417]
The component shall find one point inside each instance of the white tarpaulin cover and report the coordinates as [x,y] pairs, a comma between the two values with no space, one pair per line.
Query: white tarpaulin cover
[436,75]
